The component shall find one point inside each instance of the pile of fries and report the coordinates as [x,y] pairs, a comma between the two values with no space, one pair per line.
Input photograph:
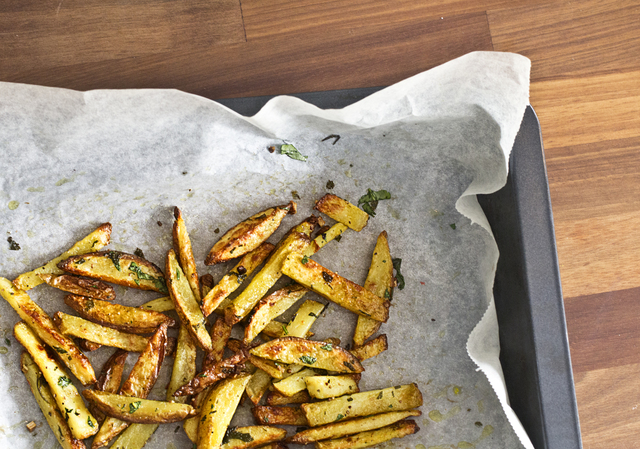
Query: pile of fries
[289,378]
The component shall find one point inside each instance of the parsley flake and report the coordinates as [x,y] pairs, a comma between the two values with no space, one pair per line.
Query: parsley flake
[396,266]
[134,406]
[307,359]
[292,152]
[369,201]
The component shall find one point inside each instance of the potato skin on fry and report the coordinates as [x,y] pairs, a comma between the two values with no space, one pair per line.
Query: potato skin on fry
[80,286]
[138,410]
[372,437]
[285,416]
[342,211]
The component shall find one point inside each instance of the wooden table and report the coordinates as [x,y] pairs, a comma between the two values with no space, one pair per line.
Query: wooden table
[585,88]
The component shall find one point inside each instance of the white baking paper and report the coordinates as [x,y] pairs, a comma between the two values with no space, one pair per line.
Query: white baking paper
[72,160]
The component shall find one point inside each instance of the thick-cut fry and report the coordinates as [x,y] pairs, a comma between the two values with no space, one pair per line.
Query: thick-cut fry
[185,303]
[80,286]
[81,423]
[228,367]
[332,233]
[79,327]
[46,329]
[335,288]
[139,410]
[47,404]
[258,386]
[184,364]
[371,348]
[126,319]
[116,267]
[281,416]
[294,383]
[297,239]
[277,398]
[315,354]
[350,427]
[371,438]
[217,299]
[324,387]
[251,436]
[135,437]
[248,234]
[271,307]
[86,345]
[342,211]
[218,410]
[372,402]
[110,379]
[163,304]
[304,318]
[92,242]
[380,282]
[182,247]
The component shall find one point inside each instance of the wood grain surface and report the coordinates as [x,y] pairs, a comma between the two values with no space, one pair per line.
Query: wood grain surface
[585,89]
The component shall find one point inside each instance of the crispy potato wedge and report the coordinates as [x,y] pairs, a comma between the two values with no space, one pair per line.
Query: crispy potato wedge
[304,318]
[380,282]
[371,348]
[371,438]
[126,319]
[404,397]
[218,410]
[109,379]
[163,304]
[185,303]
[206,284]
[334,232]
[270,307]
[79,285]
[315,354]
[224,369]
[95,241]
[350,427]
[277,398]
[251,436]
[47,404]
[294,383]
[182,247]
[324,387]
[335,288]
[258,386]
[74,326]
[342,211]
[81,422]
[297,239]
[248,234]
[217,299]
[86,345]
[281,416]
[135,436]
[184,364]
[117,267]
[46,330]
[139,410]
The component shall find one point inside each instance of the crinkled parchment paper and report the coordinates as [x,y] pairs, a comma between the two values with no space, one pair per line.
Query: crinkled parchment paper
[72,160]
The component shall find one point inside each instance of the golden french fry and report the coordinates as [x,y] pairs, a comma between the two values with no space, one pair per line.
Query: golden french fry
[184,364]
[334,232]
[110,378]
[372,437]
[342,211]
[277,398]
[163,304]
[324,387]
[251,436]
[135,436]
[281,416]
[371,348]
[80,286]
[304,318]
[295,383]
[182,247]
[138,410]
[222,370]
[258,386]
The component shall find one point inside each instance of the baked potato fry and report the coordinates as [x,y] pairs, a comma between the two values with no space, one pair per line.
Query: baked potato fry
[123,318]
[182,247]
[138,410]
[45,328]
[324,387]
[79,285]
[82,423]
[304,318]
[251,436]
[135,436]
[281,416]
[371,348]
[163,304]
[185,303]
[297,239]
[73,326]
[342,211]
[248,234]
[380,282]
[216,299]
[277,398]
[276,445]
[295,383]
[350,427]
[371,438]
[323,238]
[217,411]
[117,267]
[184,364]
[109,379]
[314,354]
[47,404]
[258,386]
[335,288]
[224,369]
[404,397]
[95,241]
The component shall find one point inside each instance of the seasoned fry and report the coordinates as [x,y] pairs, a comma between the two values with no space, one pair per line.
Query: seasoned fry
[80,286]
[371,438]
[163,304]
[218,410]
[315,354]
[126,319]
[139,410]
[324,387]
[92,242]
[325,237]
[294,383]
[47,404]
[304,318]
[185,303]
[248,234]
[206,284]
[297,239]
[371,348]
[46,329]
[228,367]
[184,364]
[380,282]
[79,327]
[86,345]
[350,427]
[251,436]
[277,398]
[135,436]
[271,307]
[258,386]
[182,247]
[81,422]
[372,402]
[110,379]
[276,445]
[342,211]
[335,288]
[116,267]
[281,416]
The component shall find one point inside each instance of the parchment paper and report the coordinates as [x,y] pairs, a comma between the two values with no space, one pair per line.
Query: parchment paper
[72,160]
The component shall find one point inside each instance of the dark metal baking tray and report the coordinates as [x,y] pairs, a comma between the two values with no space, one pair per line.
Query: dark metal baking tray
[533,335]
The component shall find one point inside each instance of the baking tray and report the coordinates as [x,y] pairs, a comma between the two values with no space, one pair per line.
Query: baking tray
[533,336]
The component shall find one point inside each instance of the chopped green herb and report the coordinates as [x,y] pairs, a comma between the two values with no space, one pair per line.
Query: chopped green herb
[308,359]
[240,277]
[13,245]
[330,185]
[66,413]
[338,238]
[89,304]
[349,399]
[379,396]
[138,252]
[304,260]
[7,341]
[327,277]
[284,329]
[349,365]
[63,381]
[134,406]
[177,274]
[453,225]
[233,434]
[203,375]
[266,419]
[160,284]
[94,243]
[79,261]
[90,422]
[339,417]
[327,347]
[295,195]
[115,258]
[313,315]
[369,201]
[59,350]
[292,152]
[386,294]
[396,266]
